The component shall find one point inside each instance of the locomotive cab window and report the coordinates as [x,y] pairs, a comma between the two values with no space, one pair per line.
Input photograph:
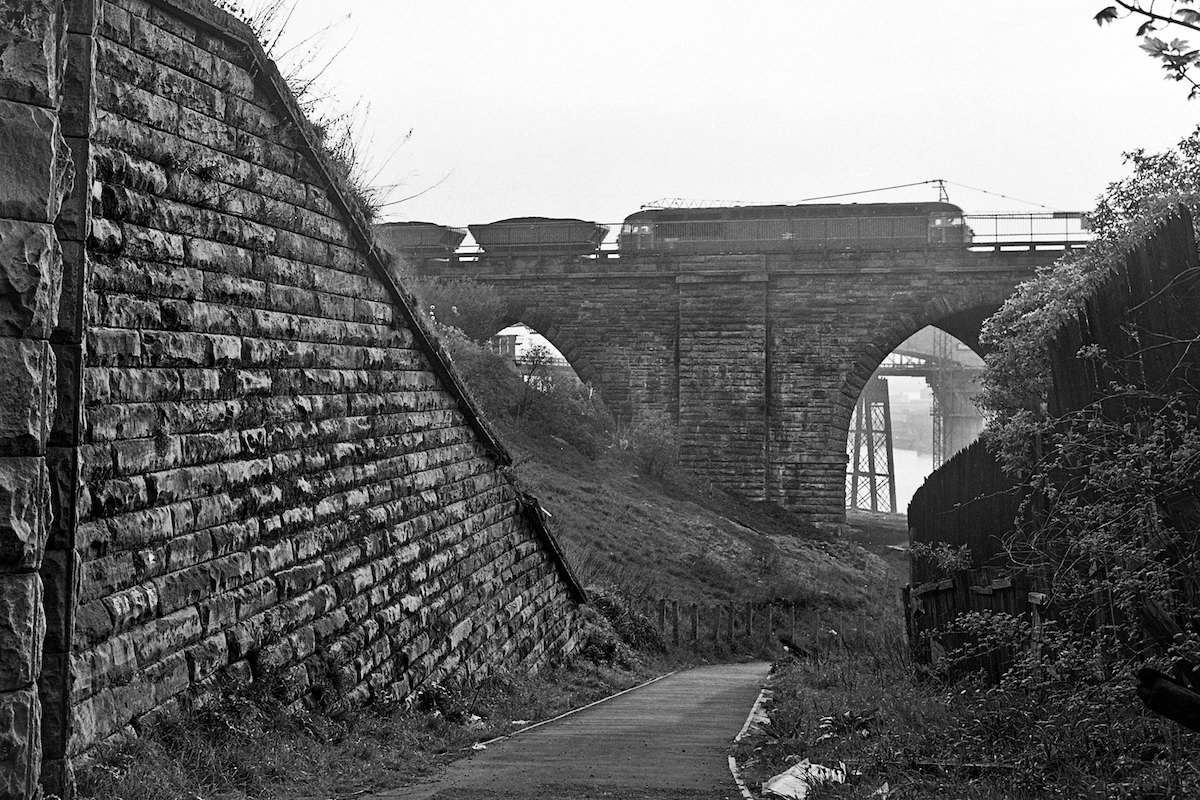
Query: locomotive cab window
[946,229]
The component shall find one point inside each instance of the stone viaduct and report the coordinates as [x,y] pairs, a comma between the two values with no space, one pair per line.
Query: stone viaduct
[759,357]
[229,448]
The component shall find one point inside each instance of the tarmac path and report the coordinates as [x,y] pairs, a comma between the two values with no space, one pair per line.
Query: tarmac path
[665,741]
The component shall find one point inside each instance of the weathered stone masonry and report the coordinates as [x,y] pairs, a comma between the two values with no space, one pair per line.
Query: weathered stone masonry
[759,357]
[35,172]
[262,463]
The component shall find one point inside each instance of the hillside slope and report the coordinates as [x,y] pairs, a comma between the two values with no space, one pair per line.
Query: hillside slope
[665,538]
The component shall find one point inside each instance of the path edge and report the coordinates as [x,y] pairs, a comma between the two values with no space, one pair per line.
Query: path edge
[733,767]
[566,714]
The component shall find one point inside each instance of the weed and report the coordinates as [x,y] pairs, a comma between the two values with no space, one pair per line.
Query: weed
[1065,732]
[245,743]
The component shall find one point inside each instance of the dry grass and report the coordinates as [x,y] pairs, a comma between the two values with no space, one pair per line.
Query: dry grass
[245,745]
[662,537]
[929,739]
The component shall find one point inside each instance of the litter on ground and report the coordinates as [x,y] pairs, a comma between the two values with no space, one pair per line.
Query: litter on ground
[796,782]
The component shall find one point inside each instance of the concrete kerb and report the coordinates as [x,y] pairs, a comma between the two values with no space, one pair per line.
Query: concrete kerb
[733,767]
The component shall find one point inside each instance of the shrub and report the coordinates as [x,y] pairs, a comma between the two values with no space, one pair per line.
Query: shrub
[653,439]
[616,634]
[471,307]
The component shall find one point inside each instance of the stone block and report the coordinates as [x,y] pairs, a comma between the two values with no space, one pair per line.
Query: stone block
[70,303]
[58,775]
[54,685]
[114,23]
[27,394]
[24,512]
[83,16]
[30,278]
[20,743]
[22,630]
[31,50]
[72,220]
[151,244]
[58,601]
[66,424]
[62,464]
[35,162]
[105,236]
[77,115]
[169,634]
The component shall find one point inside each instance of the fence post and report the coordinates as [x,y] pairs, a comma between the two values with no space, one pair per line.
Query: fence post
[792,626]
[716,623]
[675,621]
[662,617]
[1036,599]
[730,625]
[749,621]
[695,623]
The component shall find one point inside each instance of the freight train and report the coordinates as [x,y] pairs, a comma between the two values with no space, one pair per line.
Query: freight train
[738,229]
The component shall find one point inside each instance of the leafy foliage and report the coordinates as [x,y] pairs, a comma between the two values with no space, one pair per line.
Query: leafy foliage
[1176,57]
[1015,383]
[1120,568]
[945,558]
[1098,529]
[652,437]
[538,397]
[471,307]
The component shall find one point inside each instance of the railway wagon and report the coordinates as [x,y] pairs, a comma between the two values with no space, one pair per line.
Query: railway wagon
[425,239]
[759,229]
[539,236]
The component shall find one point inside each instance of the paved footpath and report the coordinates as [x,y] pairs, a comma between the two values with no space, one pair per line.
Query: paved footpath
[665,741]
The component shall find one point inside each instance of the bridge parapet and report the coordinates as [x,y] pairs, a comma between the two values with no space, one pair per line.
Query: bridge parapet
[1006,258]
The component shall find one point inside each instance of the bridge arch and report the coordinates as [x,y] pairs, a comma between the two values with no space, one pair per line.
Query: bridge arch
[563,338]
[760,358]
[963,324]
[916,410]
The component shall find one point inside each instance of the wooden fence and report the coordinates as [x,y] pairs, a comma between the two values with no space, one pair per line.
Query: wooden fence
[1144,318]
[931,608]
[751,627]
[968,501]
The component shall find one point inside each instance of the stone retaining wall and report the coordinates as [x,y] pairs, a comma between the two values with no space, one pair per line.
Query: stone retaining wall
[263,465]
[35,172]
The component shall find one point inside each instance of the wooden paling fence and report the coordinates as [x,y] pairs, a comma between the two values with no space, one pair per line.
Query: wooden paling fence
[749,625]
[968,501]
[931,608]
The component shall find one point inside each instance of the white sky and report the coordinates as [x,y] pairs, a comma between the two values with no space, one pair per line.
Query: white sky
[572,109]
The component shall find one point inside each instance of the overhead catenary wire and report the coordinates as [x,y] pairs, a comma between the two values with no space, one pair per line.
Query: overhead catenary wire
[941,183]
[871,191]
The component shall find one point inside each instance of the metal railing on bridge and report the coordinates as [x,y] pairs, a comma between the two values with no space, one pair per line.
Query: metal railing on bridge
[1049,230]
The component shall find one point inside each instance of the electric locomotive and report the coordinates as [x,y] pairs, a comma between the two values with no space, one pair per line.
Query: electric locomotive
[762,229]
